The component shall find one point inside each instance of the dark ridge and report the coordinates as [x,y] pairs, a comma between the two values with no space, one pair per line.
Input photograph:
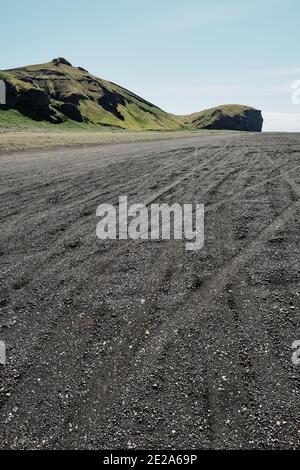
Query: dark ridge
[56,73]
[133,95]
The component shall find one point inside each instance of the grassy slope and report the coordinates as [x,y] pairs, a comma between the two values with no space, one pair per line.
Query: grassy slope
[12,120]
[65,81]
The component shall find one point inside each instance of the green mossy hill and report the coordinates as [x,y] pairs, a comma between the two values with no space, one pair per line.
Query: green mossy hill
[57,92]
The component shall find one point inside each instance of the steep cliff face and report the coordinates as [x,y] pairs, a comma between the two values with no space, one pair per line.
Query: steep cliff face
[227,117]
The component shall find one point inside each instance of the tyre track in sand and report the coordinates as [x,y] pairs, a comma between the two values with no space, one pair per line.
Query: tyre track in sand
[146,358]
[47,335]
[80,397]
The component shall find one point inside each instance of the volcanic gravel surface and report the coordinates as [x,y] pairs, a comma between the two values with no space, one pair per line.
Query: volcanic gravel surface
[141,344]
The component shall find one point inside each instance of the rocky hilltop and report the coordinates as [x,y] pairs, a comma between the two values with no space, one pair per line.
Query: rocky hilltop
[58,92]
[232,117]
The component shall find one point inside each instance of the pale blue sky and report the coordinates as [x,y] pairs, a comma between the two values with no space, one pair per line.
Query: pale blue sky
[183,56]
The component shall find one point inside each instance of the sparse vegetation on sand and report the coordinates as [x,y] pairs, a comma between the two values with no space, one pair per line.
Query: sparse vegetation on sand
[27,138]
